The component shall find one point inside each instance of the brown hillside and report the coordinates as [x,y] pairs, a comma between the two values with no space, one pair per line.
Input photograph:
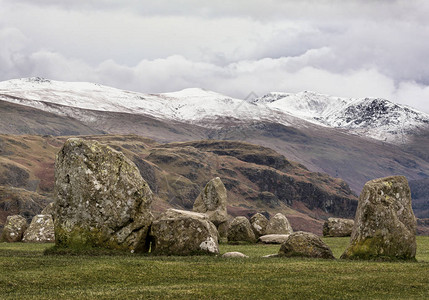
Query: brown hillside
[257,178]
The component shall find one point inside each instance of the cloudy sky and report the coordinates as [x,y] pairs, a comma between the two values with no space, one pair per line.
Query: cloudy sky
[366,48]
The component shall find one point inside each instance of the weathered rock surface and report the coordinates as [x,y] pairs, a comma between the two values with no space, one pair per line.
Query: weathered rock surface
[14,229]
[240,230]
[259,224]
[48,210]
[212,201]
[179,232]
[41,230]
[337,227]
[101,200]
[234,255]
[278,224]
[305,244]
[273,238]
[385,226]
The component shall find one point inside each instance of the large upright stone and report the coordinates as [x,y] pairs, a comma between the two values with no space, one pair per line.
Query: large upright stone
[100,198]
[337,227]
[240,230]
[212,201]
[385,226]
[278,224]
[259,224]
[41,230]
[179,232]
[14,229]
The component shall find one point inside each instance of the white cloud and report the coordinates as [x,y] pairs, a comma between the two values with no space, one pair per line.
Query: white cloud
[356,48]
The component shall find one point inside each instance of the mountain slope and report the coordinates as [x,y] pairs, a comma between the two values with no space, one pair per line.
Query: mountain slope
[371,117]
[257,178]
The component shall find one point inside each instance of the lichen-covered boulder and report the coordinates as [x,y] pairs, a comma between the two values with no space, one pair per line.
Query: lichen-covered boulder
[278,224]
[337,227]
[305,244]
[212,201]
[101,200]
[273,238]
[14,229]
[385,226]
[259,224]
[179,232]
[234,255]
[240,230]
[41,230]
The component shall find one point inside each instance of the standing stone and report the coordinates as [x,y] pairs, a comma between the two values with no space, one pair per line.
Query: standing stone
[337,227]
[240,230]
[179,232]
[259,224]
[212,202]
[305,244]
[41,230]
[385,226]
[278,224]
[101,200]
[14,229]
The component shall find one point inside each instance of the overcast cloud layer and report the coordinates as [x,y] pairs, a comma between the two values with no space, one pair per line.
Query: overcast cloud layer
[343,48]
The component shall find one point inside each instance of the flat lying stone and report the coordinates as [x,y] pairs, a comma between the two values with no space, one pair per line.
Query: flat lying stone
[234,255]
[273,238]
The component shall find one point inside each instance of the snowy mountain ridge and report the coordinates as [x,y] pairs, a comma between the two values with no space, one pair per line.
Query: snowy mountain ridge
[369,117]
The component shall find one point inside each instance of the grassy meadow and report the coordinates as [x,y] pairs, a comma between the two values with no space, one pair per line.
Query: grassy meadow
[26,273]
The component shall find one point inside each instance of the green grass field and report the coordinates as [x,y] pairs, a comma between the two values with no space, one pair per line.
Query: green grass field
[25,273]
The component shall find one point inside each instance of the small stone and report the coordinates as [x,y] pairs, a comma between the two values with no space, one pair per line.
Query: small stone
[278,224]
[259,224]
[337,227]
[234,255]
[240,230]
[14,229]
[41,230]
[305,244]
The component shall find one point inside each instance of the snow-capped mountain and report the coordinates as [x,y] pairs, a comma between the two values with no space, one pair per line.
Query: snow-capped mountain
[192,105]
[374,118]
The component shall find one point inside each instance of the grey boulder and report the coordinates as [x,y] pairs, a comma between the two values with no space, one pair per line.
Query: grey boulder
[273,238]
[101,200]
[259,224]
[14,229]
[337,227]
[385,226]
[239,230]
[179,232]
[41,230]
[278,224]
[305,244]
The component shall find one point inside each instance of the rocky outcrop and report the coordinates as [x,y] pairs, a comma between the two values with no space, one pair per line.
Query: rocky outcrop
[212,201]
[179,232]
[240,230]
[101,200]
[278,224]
[259,224]
[14,229]
[385,225]
[305,244]
[273,238]
[234,255]
[41,230]
[337,227]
